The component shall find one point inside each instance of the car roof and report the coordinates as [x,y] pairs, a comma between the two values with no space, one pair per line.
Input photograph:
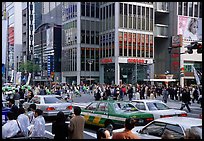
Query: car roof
[47,96]
[186,122]
[146,100]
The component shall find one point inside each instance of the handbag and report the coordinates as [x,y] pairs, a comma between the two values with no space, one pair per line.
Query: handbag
[20,133]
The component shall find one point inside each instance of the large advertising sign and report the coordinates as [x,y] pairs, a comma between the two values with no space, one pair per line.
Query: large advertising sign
[190,28]
[49,37]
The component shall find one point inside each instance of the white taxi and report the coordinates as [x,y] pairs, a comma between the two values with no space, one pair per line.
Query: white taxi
[158,108]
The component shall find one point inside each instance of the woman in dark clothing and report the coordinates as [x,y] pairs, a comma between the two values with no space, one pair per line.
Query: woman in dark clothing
[59,127]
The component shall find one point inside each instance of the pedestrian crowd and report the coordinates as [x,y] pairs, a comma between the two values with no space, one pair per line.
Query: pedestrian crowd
[31,123]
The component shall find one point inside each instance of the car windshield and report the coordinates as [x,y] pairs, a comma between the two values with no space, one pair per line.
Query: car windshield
[52,100]
[125,107]
[156,106]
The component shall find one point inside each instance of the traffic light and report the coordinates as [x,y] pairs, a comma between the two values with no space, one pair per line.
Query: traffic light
[199,48]
[194,45]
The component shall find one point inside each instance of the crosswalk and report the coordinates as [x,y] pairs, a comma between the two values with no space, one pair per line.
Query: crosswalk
[48,132]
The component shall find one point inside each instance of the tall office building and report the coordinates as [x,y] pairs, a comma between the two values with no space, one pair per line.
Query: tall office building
[47,42]
[13,17]
[107,42]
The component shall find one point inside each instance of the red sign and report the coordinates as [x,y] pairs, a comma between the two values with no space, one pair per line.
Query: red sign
[138,38]
[125,37]
[139,61]
[106,60]
[147,39]
[129,37]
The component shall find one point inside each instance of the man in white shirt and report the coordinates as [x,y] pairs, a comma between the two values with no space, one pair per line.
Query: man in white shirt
[23,121]
[10,129]
[38,129]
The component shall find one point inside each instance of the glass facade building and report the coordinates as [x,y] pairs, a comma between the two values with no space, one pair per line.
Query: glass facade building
[115,35]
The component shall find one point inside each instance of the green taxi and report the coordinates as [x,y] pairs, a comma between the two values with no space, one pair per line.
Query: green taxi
[105,112]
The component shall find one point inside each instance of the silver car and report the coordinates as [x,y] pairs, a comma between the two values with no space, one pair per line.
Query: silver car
[175,125]
[50,105]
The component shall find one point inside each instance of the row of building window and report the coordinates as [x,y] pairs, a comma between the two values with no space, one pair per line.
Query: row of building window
[107,45]
[136,17]
[135,45]
[87,54]
[70,56]
[69,11]
[90,9]
[90,32]
[70,33]
[69,59]
[192,9]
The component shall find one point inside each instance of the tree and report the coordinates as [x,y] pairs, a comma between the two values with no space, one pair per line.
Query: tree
[29,67]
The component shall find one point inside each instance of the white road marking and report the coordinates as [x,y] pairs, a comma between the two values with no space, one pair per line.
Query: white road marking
[49,133]
[90,134]
[86,132]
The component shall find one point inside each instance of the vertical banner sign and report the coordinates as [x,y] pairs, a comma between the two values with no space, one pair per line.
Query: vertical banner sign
[12,75]
[196,76]
[29,77]
[48,65]
[18,78]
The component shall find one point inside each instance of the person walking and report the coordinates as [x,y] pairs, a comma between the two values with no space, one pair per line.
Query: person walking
[77,123]
[16,98]
[127,133]
[59,127]
[23,121]
[195,94]
[38,129]
[13,107]
[10,128]
[165,94]
[130,92]
[185,99]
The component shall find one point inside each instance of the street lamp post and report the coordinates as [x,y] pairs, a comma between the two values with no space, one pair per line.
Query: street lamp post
[90,61]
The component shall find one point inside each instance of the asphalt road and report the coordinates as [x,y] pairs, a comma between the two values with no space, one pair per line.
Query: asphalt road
[90,131]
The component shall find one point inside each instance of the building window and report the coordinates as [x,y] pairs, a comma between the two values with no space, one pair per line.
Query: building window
[121,14]
[143,18]
[190,9]
[139,18]
[125,16]
[138,44]
[195,9]
[130,16]
[134,17]
[87,37]
[87,9]
[180,8]
[185,8]
[147,18]
[151,19]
